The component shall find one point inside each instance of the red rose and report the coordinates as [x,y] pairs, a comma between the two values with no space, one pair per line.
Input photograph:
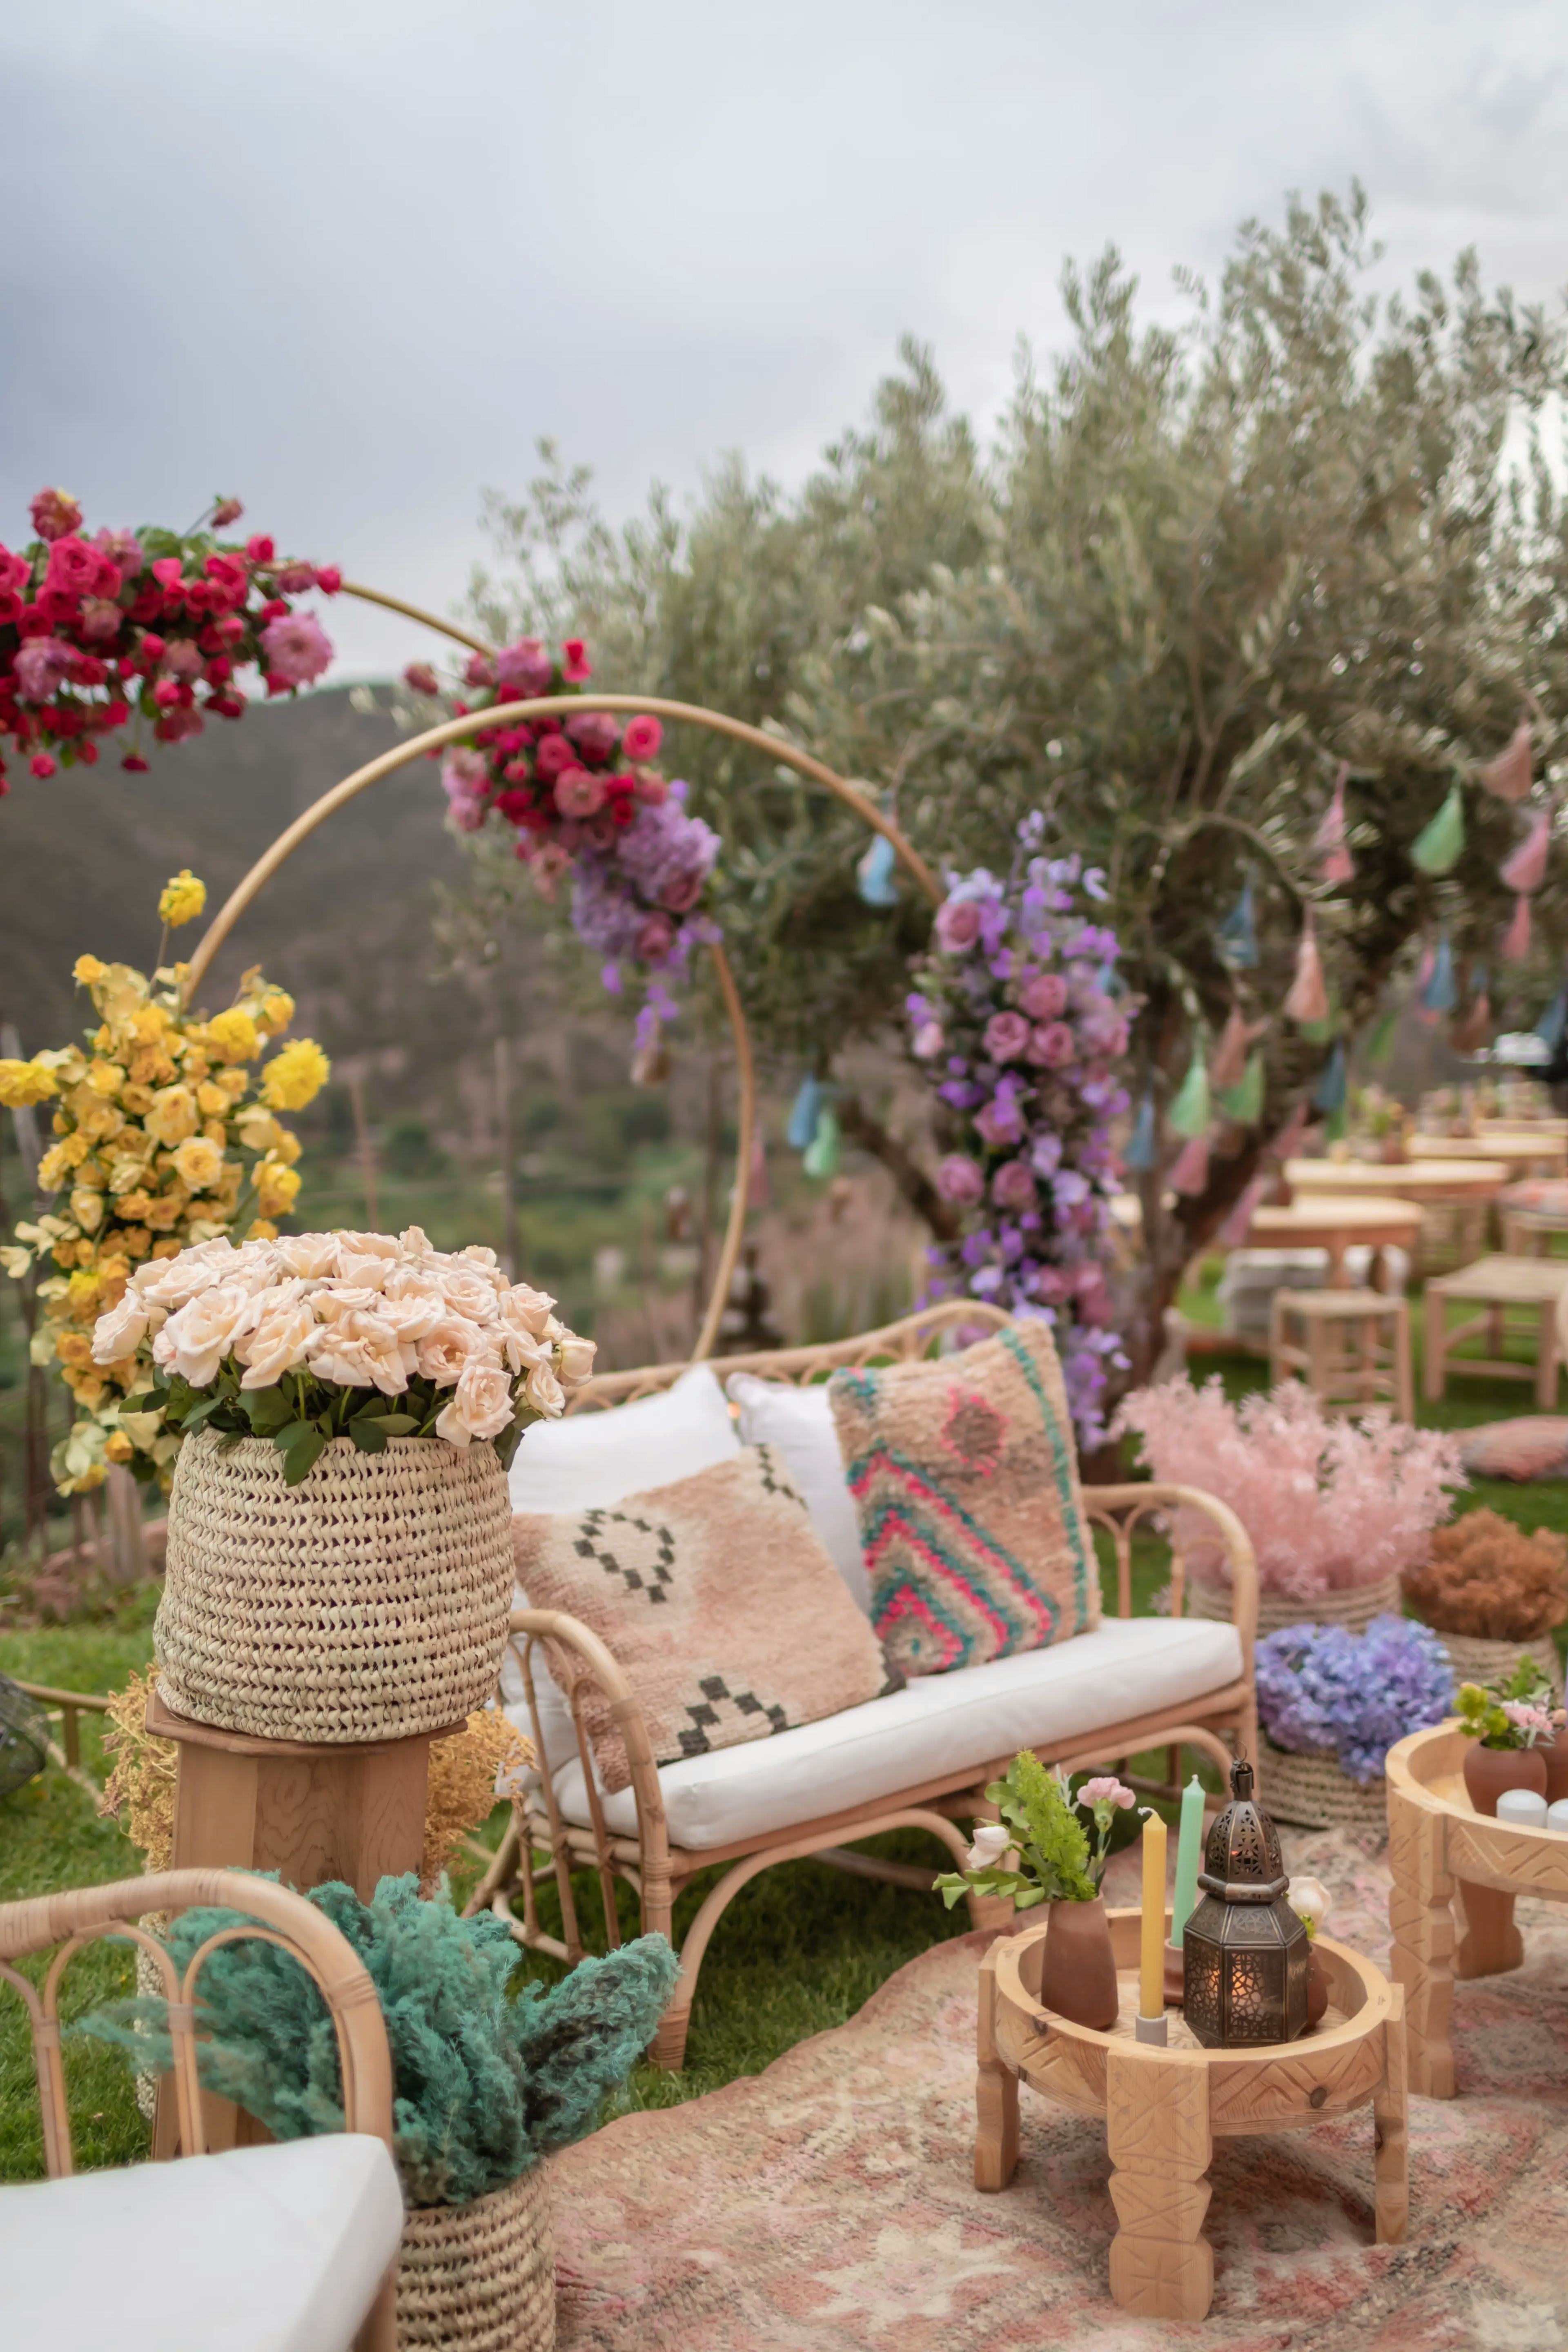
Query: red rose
[137,767]
[168,570]
[77,569]
[553,757]
[595,734]
[88,754]
[41,764]
[227,571]
[259,550]
[576,665]
[329,579]
[55,513]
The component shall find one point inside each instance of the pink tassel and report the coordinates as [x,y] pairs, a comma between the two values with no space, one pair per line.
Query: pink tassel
[1287,1142]
[1339,865]
[1516,939]
[1238,1224]
[1229,1064]
[1511,774]
[1308,997]
[1526,870]
[1191,1173]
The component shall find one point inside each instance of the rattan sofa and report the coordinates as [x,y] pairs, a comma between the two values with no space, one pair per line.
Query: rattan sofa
[1088,1700]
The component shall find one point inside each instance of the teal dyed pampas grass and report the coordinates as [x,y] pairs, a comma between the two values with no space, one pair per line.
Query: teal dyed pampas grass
[484,2086]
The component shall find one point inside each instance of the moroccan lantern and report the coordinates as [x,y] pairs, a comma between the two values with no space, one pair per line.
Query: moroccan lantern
[1244,1950]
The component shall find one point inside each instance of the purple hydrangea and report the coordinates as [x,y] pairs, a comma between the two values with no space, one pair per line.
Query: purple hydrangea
[1323,1689]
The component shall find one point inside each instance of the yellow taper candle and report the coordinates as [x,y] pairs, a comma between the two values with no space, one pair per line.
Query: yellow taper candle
[1151,1968]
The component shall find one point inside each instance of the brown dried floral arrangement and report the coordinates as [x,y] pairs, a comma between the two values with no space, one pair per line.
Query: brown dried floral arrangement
[1487,1578]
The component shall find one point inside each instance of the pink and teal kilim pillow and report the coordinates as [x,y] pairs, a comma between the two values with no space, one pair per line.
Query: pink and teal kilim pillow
[966,1486]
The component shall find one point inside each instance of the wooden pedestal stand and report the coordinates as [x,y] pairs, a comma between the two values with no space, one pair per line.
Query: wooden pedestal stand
[1165,2109]
[307,1810]
[1456,1874]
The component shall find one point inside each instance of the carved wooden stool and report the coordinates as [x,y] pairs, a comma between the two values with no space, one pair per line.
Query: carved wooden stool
[1354,1347]
[1165,2109]
[1456,1874]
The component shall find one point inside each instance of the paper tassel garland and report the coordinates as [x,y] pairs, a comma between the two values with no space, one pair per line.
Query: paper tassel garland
[1232,1234]
[1515,943]
[802,1115]
[1237,938]
[1441,992]
[1139,1154]
[1230,1054]
[1338,865]
[1473,1029]
[1554,1022]
[822,1152]
[1439,845]
[1244,1101]
[1309,998]
[1190,1114]
[1379,1047]
[1329,1094]
[1526,870]
[874,874]
[1511,774]
[1287,1142]
[1191,1173]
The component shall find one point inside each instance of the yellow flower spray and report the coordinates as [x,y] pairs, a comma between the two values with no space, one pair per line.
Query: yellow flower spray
[151,1121]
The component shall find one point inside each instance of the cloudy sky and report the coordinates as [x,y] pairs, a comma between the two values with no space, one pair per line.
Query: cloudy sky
[349,259]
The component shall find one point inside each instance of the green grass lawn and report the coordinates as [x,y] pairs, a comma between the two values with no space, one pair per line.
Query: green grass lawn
[798,1950]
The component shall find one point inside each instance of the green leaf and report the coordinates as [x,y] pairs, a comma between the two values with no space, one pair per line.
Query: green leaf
[291,1433]
[399,1424]
[368,1435]
[302,1457]
[201,1412]
[267,1409]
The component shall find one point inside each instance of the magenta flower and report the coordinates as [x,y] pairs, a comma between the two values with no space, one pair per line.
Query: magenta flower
[100,619]
[54,513]
[1013,1186]
[1001,1122]
[523,669]
[123,549]
[1045,997]
[297,648]
[579,794]
[553,757]
[958,925]
[1006,1035]
[641,738]
[959,1180]
[1053,1046]
[1105,1790]
[41,663]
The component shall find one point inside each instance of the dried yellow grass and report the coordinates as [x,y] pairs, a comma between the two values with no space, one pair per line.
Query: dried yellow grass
[140,1791]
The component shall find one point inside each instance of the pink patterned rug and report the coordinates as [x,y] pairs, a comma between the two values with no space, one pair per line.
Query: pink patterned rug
[828,2204]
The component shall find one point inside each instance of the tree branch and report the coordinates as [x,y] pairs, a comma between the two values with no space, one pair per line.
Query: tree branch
[862,1127]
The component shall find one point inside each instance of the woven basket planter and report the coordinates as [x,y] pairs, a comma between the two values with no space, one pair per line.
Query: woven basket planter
[1478,1661]
[1356,1606]
[368,1603]
[480,2277]
[1313,1793]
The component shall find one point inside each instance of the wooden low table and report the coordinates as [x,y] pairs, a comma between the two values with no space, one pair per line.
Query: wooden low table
[1495,1284]
[1337,1225]
[1163,2109]
[1419,1180]
[1456,1876]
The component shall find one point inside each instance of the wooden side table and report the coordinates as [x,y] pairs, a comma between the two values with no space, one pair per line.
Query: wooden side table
[1354,1347]
[1163,2109]
[1495,1284]
[1456,1876]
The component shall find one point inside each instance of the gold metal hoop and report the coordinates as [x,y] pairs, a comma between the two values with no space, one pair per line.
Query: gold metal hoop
[557,705]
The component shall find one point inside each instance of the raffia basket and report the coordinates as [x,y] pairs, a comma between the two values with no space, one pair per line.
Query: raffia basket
[1355,1607]
[1479,1660]
[368,1603]
[480,2277]
[1313,1793]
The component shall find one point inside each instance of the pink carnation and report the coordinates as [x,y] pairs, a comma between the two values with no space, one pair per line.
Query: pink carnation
[1006,1035]
[1045,997]
[464,780]
[1013,1186]
[78,569]
[123,549]
[54,513]
[576,666]
[641,738]
[1107,1790]
[1052,1047]
[40,665]
[297,648]
[100,619]
[959,1178]
[547,865]
[552,758]
[523,669]
[579,794]
[958,925]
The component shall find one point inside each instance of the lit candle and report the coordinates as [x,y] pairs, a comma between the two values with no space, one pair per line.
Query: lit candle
[1189,1854]
[1152,1970]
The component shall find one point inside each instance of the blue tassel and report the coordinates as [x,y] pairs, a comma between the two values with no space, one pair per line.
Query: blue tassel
[874,874]
[1140,1153]
[803,1116]
[1441,992]
[1236,935]
[1554,1022]
[1329,1094]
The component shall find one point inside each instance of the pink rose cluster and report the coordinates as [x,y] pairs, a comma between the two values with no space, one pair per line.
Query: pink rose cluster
[95,633]
[1018,1018]
[580,797]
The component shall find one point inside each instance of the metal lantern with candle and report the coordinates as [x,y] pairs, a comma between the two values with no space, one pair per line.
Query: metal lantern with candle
[1245,1951]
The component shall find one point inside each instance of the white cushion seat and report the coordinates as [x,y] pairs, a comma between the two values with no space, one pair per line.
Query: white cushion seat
[938,1726]
[273,2249]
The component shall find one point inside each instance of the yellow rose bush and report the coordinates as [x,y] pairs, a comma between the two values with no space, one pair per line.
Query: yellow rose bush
[166,1135]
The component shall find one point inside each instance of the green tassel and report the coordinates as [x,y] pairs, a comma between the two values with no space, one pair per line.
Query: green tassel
[1337,1126]
[822,1151]
[1244,1101]
[1190,1114]
[1439,847]
[1380,1044]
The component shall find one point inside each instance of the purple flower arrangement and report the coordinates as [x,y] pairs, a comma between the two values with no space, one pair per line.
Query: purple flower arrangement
[1323,1689]
[1019,1017]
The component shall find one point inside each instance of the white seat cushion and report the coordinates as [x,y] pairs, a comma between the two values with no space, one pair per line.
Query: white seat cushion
[594,1459]
[258,2249]
[799,1424]
[937,1725]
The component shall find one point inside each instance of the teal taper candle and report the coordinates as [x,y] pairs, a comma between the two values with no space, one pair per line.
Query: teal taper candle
[1189,1854]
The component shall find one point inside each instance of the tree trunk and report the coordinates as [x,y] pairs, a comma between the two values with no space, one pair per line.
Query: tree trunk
[860,1125]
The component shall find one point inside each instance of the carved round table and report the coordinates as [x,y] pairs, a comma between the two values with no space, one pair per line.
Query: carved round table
[1165,2109]
[1456,1874]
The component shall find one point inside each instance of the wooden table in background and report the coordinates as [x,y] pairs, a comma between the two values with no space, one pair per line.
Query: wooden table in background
[1163,2109]
[1335,1224]
[1467,1187]
[1523,1155]
[1456,1876]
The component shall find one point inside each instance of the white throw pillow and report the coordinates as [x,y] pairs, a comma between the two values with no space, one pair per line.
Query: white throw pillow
[594,1459]
[799,1424]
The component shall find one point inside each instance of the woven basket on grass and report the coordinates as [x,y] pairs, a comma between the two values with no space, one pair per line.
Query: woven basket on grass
[1478,1661]
[1356,1606]
[480,2277]
[368,1603]
[1312,1793]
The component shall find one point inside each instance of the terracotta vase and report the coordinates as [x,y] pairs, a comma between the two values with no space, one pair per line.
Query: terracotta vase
[1555,1759]
[1317,1989]
[1489,1771]
[1077,1973]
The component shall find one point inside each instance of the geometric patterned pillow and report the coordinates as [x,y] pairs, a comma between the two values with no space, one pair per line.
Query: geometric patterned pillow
[716,1597]
[966,1480]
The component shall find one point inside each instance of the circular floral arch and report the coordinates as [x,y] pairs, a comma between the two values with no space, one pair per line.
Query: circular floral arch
[563,705]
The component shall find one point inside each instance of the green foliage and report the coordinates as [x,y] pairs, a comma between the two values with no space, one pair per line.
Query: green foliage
[1054,1862]
[484,2086]
[302,1415]
[1481,1707]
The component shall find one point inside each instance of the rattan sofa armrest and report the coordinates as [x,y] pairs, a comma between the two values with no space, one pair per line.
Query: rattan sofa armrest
[1159,1495]
[599,1666]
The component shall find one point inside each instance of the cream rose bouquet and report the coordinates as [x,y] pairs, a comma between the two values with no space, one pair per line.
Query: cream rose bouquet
[312,1337]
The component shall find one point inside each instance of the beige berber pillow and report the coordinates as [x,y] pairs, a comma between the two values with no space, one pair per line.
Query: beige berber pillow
[716,1597]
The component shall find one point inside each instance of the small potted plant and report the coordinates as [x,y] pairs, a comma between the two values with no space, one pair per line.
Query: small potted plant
[1040,1852]
[1336,1509]
[1331,1704]
[1492,1590]
[485,2086]
[1513,1730]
